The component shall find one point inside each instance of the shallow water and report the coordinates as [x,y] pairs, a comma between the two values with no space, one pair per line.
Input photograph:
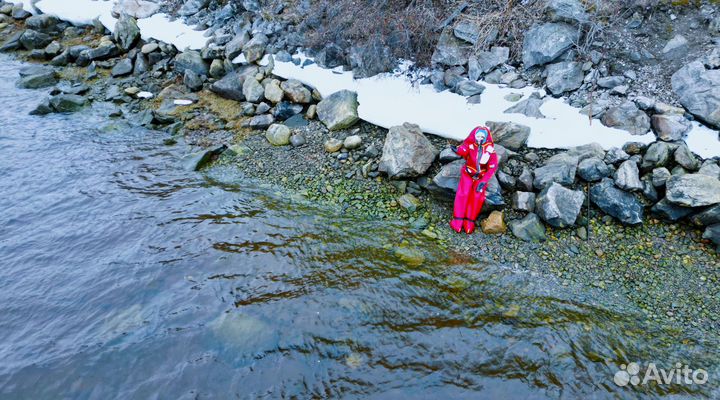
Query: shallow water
[125,276]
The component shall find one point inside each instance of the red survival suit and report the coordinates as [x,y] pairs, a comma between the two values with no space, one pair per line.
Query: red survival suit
[481,162]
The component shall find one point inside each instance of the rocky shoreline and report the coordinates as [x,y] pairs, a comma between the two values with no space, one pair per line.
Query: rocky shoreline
[642,220]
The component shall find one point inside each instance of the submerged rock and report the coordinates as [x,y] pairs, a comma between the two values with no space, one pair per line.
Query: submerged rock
[339,110]
[616,202]
[67,103]
[36,77]
[407,152]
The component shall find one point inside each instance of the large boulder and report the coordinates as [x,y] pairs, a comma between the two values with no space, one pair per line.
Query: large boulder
[559,169]
[593,169]
[657,155]
[616,202]
[627,116]
[450,50]
[191,60]
[685,158]
[253,90]
[339,110]
[296,91]
[670,128]
[669,211]
[693,190]
[697,86]
[126,32]
[234,47]
[36,77]
[559,206]
[627,176]
[571,11]
[529,229]
[509,134]
[255,48]
[42,23]
[546,43]
[231,85]
[371,58]
[564,77]
[407,153]
[31,39]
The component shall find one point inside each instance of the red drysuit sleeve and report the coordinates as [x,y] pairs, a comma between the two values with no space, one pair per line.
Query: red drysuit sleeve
[462,150]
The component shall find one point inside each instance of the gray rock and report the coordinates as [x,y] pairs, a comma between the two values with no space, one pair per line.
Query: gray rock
[593,169]
[627,116]
[192,7]
[451,50]
[616,155]
[712,233]
[660,176]
[558,170]
[297,140]
[448,155]
[339,110]
[259,121]
[217,69]
[710,216]
[195,161]
[507,181]
[676,48]
[278,135]
[53,49]
[710,169]
[564,77]
[234,47]
[296,92]
[524,201]
[559,206]
[546,43]
[191,60]
[657,155]
[486,61]
[509,134]
[12,42]
[627,177]
[446,181]
[42,23]
[571,11]
[525,180]
[273,92]
[126,32]
[686,159]
[649,190]
[333,145]
[693,190]
[610,82]
[43,108]
[122,68]
[67,103]
[255,48]
[698,90]
[529,107]
[253,90]
[149,48]
[529,229]
[407,153]
[670,128]
[467,31]
[230,86]
[36,77]
[31,39]
[371,58]
[192,80]
[617,203]
[352,142]
[469,88]
[669,211]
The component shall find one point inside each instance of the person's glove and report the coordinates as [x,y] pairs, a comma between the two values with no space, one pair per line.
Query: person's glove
[480,187]
[454,149]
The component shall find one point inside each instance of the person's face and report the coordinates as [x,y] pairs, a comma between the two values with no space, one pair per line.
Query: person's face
[481,136]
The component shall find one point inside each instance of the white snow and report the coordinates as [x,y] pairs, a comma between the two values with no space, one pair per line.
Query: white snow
[182,102]
[389,99]
[27,6]
[159,27]
[144,95]
[703,141]
[79,12]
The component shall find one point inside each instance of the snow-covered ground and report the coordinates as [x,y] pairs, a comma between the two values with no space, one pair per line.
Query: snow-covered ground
[392,99]
[158,26]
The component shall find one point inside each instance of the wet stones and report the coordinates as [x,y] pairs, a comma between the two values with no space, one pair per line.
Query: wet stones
[36,77]
[407,152]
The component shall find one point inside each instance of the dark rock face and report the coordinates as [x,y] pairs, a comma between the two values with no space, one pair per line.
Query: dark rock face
[616,202]
[558,169]
[67,103]
[669,211]
[371,59]
[36,77]
[191,60]
[231,85]
[564,77]
[122,68]
[712,233]
[31,39]
[42,23]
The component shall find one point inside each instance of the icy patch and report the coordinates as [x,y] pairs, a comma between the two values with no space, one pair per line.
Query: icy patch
[144,95]
[27,6]
[182,102]
[703,141]
[182,36]
[392,99]
[79,12]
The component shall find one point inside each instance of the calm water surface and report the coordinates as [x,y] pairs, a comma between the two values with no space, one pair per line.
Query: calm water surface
[124,276]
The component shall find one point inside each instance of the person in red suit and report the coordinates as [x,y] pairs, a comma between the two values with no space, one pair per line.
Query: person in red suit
[481,162]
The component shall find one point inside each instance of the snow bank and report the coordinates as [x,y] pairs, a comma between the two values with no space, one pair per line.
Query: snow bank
[391,99]
[158,26]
